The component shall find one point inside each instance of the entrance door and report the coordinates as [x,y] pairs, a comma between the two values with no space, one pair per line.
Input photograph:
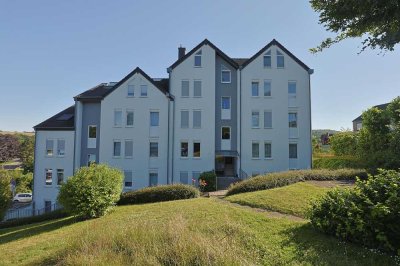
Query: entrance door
[226,138]
[229,167]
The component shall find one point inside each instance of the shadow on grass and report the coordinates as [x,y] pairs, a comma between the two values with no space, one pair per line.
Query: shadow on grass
[35,229]
[316,248]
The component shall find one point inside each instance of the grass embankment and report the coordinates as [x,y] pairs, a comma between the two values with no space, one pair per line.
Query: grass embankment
[186,232]
[292,199]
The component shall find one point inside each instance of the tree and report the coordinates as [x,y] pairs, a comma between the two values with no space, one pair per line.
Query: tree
[92,191]
[344,143]
[376,21]
[27,153]
[5,192]
[9,147]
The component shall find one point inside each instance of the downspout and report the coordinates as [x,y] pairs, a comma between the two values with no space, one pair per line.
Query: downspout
[34,176]
[240,119]
[310,72]
[73,159]
[169,70]
[168,141]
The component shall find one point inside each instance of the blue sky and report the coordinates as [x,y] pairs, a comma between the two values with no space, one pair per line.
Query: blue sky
[52,50]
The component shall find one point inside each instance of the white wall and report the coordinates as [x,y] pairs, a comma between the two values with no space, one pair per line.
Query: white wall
[206,134]
[42,192]
[140,164]
[279,104]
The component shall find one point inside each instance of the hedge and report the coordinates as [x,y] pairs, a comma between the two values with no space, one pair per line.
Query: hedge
[281,179]
[337,163]
[158,194]
[34,219]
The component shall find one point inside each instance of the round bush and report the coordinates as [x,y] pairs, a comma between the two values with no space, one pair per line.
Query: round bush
[158,194]
[368,214]
[207,181]
[92,191]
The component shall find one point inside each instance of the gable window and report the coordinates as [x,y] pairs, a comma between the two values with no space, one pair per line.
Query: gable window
[184,149]
[197,88]
[267,88]
[49,147]
[254,88]
[267,150]
[117,148]
[197,59]
[117,118]
[184,176]
[143,90]
[92,136]
[292,88]
[255,119]
[128,148]
[184,119]
[128,178]
[153,179]
[154,119]
[292,120]
[196,149]
[267,59]
[131,90]
[60,176]
[185,88]
[197,119]
[267,119]
[255,150]
[280,60]
[129,118]
[60,147]
[49,177]
[293,150]
[91,159]
[153,149]
[225,74]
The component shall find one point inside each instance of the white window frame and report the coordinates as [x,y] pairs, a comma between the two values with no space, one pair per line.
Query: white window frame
[158,149]
[180,149]
[258,88]
[281,54]
[127,91]
[197,110]
[222,132]
[52,149]
[272,121]
[226,113]
[196,157]
[125,141]
[251,121]
[129,171]
[270,85]
[45,176]
[201,88]
[187,177]
[122,118]
[133,117]
[153,171]
[91,161]
[297,149]
[295,84]
[267,54]
[158,112]
[297,119]
[270,143]
[255,142]
[120,149]
[142,92]
[188,120]
[198,54]
[58,153]
[59,170]
[225,69]
[92,142]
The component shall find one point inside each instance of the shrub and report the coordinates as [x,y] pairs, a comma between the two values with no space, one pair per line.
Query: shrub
[5,192]
[158,194]
[344,143]
[337,163]
[280,179]
[34,219]
[92,191]
[368,214]
[207,181]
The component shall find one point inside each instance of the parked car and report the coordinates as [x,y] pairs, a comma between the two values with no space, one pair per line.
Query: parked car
[23,197]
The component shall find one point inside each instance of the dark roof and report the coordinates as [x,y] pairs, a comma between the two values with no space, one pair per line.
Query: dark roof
[380,106]
[64,120]
[103,89]
[275,42]
[205,42]
[240,61]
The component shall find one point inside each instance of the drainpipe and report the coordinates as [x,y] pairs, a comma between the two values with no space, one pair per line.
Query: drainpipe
[240,120]
[168,125]
[310,72]
[172,99]
[34,175]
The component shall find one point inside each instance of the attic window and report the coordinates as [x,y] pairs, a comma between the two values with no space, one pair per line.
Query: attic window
[225,74]
[65,117]
[267,59]
[197,59]
[280,60]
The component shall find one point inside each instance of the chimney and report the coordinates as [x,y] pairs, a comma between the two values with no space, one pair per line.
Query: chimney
[181,52]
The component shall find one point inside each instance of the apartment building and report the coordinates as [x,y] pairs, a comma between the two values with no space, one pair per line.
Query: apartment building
[237,116]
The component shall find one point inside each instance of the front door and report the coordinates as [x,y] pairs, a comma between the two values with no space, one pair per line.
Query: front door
[229,167]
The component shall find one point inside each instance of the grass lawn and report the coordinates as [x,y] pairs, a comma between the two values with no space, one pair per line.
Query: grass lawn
[188,232]
[292,199]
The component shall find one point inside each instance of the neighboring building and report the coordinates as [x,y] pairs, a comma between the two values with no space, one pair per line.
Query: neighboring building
[239,117]
[357,123]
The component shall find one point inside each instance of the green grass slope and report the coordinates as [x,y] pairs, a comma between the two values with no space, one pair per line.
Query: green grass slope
[186,232]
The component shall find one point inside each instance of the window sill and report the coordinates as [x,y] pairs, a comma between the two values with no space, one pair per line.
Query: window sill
[269,159]
[256,158]
[116,157]
[226,82]
[60,156]
[197,66]
[268,67]
[196,158]
[141,96]
[49,186]
[184,158]
[255,127]
[197,97]
[49,156]
[280,67]
[255,97]
[117,126]
[133,96]
[153,157]
[268,128]
[196,127]
[267,97]
[128,157]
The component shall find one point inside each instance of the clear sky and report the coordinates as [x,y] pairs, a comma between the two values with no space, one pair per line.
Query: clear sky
[52,50]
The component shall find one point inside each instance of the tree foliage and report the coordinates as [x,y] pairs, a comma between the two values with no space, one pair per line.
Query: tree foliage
[5,192]
[92,191]
[344,143]
[376,21]
[9,147]
[27,152]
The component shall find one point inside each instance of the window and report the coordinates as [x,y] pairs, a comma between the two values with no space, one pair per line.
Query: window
[91,159]
[184,176]
[196,149]
[255,150]
[280,60]
[195,177]
[254,88]
[154,119]
[267,88]
[129,118]
[184,119]
[267,119]
[197,119]
[143,90]
[197,88]
[225,74]
[49,147]
[267,59]
[292,88]
[226,108]
[49,177]
[185,88]
[197,59]
[293,150]
[153,149]
[128,178]
[184,149]
[255,119]
[131,90]
[92,132]
[117,148]
[60,147]
[47,206]
[117,118]
[226,103]
[129,148]
[226,133]
[293,120]
[267,150]
[153,179]
[60,176]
